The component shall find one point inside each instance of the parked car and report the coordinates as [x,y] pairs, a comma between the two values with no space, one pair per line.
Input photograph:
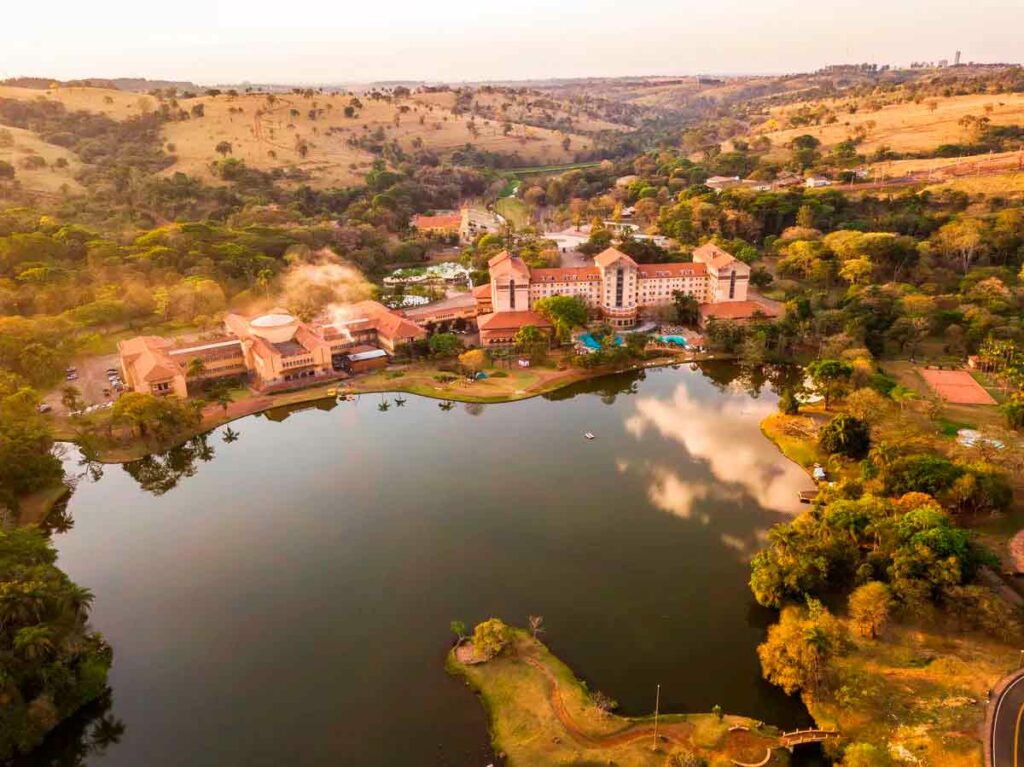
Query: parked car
[44,408]
[71,377]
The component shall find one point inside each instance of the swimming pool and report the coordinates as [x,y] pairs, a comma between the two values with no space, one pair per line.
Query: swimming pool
[677,340]
[588,340]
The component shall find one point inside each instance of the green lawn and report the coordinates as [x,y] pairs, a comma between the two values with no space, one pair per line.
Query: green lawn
[515,210]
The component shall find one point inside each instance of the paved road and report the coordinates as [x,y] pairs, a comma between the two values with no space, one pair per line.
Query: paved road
[1008,726]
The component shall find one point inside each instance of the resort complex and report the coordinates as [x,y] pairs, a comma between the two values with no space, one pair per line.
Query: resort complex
[277,349]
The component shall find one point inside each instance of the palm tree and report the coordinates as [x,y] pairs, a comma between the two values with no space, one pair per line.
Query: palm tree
[819,642]
[196,368]
[78,600]
[383,405]
[901,395]
[106,732]
[230,435]
[446,405]
[399,401]
[882,455]
[34,642]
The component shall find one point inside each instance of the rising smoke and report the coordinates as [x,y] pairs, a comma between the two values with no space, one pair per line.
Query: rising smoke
[321,283]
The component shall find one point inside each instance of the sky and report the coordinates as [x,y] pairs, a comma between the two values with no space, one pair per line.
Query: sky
[338,41]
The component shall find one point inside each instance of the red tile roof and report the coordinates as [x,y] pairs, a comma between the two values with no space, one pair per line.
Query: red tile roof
[610,256]
[737,310]
[482,291]
[450,221]
[511,320]
[709,253]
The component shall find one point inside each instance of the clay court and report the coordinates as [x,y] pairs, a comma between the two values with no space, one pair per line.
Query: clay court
[956,386]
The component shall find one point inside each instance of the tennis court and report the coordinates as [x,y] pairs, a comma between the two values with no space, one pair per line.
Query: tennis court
[956,386]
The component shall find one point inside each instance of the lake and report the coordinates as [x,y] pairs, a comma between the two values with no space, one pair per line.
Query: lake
[283,597]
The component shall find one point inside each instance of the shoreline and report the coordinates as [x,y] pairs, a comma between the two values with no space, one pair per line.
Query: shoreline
[528,689]
[384,382]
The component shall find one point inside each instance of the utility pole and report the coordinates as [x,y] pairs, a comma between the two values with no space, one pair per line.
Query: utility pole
[657,703]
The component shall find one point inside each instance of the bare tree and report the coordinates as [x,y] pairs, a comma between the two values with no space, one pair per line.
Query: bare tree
[536,625]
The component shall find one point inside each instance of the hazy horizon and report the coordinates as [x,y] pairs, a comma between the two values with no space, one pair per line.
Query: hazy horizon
[456,40]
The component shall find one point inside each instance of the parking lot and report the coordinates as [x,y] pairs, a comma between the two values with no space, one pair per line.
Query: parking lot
[91,382]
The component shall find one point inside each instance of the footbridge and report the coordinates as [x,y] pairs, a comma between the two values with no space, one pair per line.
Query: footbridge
[811,735]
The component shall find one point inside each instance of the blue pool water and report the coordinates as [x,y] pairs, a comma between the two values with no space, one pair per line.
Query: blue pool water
[588,340]
[677,340]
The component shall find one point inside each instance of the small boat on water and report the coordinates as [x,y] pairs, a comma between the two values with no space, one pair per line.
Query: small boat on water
[588,435]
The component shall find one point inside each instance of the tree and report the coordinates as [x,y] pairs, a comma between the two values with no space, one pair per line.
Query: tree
[799,646]
[901,395]
[529,336]
[474,360]
[565,313]
[536,625]
[224,148]
[444,344]
[491,638]
[869,608]
[34,643]
[829,377]
[687,307]
[71,398]
[846,435]
[962,240]
[459,629]
[196,368]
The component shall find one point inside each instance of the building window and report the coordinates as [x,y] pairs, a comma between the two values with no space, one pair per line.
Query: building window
[732,286]
[512,290]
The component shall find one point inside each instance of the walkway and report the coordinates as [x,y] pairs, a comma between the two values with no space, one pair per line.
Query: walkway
[668,732]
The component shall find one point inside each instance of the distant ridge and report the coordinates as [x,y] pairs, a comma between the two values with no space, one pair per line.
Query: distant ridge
[134,84]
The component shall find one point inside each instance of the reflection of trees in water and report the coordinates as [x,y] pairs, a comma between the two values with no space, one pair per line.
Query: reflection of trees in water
[608,387]
[89,733]
[59,520]
[160,472]
[751,378]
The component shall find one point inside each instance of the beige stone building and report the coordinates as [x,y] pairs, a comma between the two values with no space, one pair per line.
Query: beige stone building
[616,287]
[273,350]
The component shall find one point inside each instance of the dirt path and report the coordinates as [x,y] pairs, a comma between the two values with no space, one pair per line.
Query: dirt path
[678,733]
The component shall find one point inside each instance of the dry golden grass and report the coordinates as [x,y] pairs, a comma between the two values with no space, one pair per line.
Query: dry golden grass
[49,179]
[113,103]
[920,689]
[905,127]
[541,716]
[267,135]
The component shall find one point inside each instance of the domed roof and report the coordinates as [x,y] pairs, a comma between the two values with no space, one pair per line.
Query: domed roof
[272,321]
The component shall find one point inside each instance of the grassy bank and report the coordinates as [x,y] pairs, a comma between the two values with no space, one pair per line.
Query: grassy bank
[423,379]
[541,714]
[920,689]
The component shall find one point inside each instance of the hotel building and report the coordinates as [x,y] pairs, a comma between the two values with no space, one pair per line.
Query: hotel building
[616,288]
[274,350]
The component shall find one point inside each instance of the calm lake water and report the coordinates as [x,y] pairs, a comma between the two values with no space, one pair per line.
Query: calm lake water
[284,598]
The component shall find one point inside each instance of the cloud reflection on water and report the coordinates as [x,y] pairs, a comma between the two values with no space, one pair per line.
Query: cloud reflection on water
[722,432]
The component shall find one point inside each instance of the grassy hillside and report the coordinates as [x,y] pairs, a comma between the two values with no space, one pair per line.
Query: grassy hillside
[332,139]
[904,127]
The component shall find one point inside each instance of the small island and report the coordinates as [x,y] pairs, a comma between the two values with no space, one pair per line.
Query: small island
[541,714]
